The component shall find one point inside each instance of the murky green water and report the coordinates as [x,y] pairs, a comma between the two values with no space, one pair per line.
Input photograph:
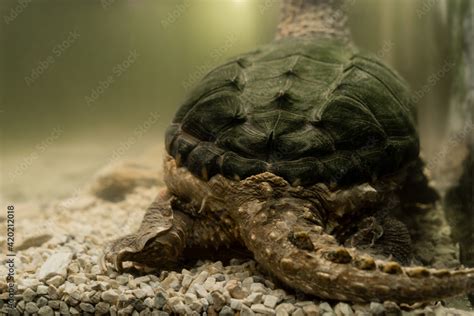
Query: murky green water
[82,82]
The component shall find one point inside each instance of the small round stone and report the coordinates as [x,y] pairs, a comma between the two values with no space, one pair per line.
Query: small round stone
[311,310]
[270,301]
[102,308]
[325,307]
[262,309]
[29,295]
[56,280]
[160,300]
[343,309]
[46,311]
[42,290]
[86,307]
[42,301]
[110,296]
[54,304]
[226,311]
[236,290]
[284,309]
[377,309]
[218,299]
[31,308]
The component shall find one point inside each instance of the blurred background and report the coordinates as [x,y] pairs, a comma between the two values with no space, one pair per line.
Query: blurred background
[85,83]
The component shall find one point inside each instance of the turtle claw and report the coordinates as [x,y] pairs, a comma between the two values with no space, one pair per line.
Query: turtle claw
[102,263]
[118,250]
[114,259]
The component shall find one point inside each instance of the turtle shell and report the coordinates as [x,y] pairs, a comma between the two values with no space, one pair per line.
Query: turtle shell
[306,110]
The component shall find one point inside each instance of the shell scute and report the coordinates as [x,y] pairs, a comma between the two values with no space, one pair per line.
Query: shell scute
[201,121]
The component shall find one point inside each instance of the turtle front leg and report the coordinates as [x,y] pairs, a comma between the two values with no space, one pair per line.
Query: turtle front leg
[159,241]
[172,230]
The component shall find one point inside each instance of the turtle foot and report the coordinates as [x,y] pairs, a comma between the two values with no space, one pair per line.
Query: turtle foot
[159,241]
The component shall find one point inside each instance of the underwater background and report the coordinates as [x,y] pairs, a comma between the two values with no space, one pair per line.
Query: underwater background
[87,83]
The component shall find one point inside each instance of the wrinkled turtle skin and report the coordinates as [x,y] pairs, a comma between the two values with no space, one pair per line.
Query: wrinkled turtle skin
[303,152]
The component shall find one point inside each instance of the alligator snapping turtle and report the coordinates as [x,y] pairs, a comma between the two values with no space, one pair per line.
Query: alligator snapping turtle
[303,151]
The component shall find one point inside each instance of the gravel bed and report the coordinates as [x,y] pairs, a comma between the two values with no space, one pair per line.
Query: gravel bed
[58,271]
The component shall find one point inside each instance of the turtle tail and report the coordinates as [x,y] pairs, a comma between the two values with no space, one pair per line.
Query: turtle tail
[298,252]
[317,18]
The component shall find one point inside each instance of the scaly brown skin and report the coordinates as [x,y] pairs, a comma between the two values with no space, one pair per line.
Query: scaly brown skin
[286,228]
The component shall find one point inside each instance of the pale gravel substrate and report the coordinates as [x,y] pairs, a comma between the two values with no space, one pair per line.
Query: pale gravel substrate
[58,272]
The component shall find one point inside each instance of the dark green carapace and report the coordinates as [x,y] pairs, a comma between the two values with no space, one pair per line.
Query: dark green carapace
[308,111]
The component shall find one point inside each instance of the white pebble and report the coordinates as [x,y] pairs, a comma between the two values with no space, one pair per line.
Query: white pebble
[42,290]
[284,309]
[258,287]
[46,311]
[236,304]
[139,293]
[218,299]
[298,312]
[262,309]
[55,280]
[246,311]
[28,283]
[56,264]
[200,290]
[189,298]
[196,306]
[377,308]
[187,279]
[95,270]
[31,308]
[86,307]
[270,301]
[147,289]
[143,279]
[209,284]
[110,296]
[122,279]
[29,295]
[247,282]
[325,307]
[79,278]
[343,309]
[254,298]
[311,310]
[149,302]
[69,287]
